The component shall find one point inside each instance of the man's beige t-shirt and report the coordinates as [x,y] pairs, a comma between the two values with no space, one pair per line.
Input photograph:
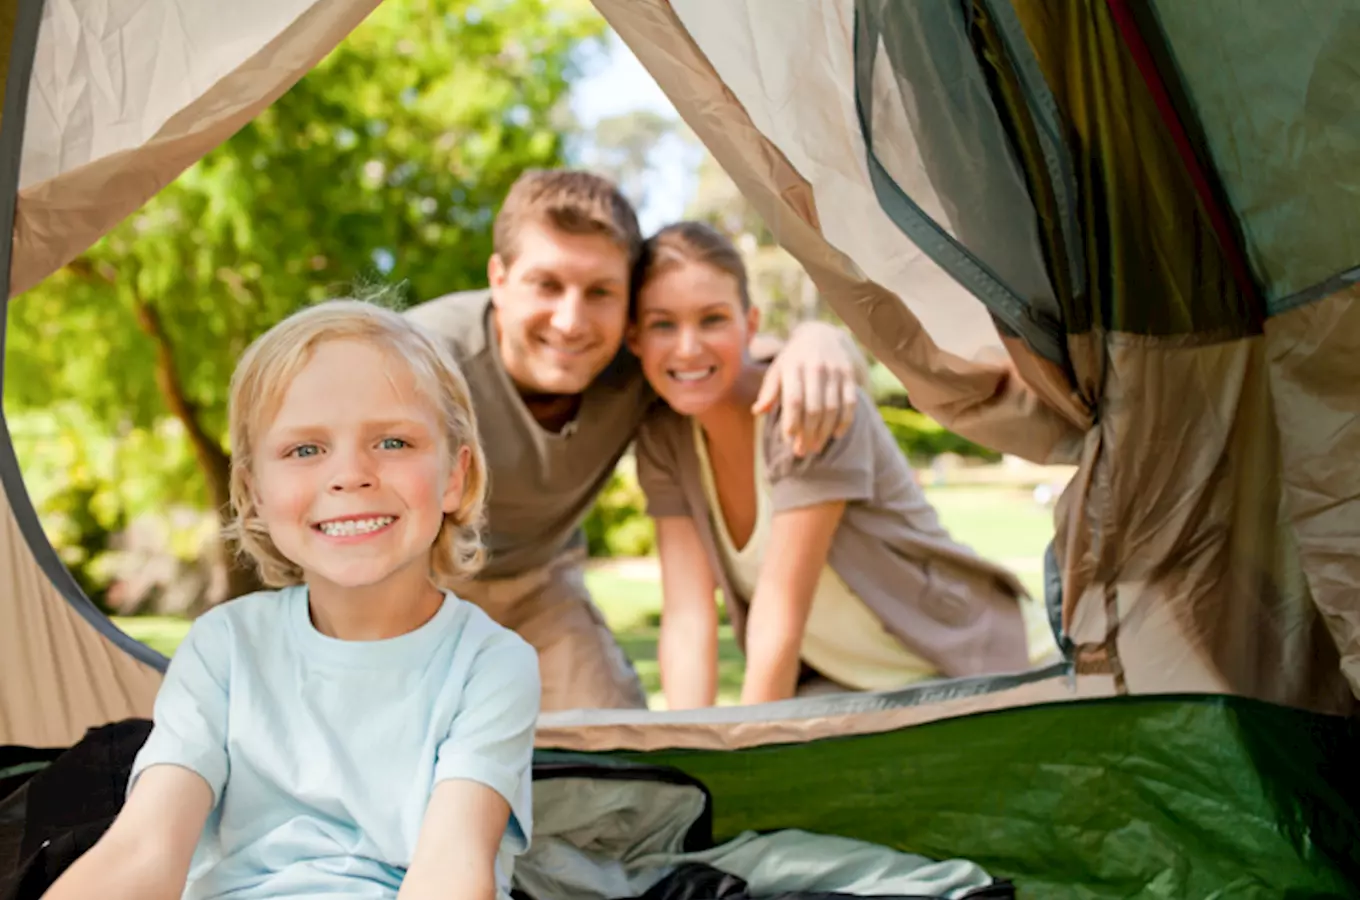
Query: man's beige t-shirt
[542,484]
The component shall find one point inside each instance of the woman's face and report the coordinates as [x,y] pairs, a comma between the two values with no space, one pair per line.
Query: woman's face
[692,335]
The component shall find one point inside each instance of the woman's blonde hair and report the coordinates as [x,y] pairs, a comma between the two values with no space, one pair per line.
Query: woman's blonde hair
[261,379]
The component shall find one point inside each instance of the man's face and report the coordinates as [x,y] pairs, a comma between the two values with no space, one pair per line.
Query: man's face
[561,308]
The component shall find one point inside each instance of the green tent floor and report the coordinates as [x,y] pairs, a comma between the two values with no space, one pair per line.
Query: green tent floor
[1177,797]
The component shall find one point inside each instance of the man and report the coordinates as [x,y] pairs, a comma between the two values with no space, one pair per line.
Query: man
[558,399]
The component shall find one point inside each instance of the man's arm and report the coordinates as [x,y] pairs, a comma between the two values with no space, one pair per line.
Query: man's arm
[146,852]
[815,376]
[456,852]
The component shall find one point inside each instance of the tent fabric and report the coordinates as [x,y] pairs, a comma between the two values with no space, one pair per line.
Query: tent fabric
[786,133]
[807,115]
[59,675]
[1313,355]
[813,719]
[1132,798]
[1277,114]
[1178,570]
[952,185]
[1177,550]
[113,117]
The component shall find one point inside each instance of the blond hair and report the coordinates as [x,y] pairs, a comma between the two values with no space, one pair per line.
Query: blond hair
[571,201]
[263,375]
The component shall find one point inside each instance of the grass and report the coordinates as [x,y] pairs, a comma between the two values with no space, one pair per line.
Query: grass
[1001,524]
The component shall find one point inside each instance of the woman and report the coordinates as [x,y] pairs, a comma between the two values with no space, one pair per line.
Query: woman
[836,571]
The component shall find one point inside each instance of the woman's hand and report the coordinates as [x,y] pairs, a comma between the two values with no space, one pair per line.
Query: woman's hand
[815,377]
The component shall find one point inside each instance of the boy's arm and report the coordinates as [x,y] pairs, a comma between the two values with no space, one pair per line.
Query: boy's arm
[459,837]
[146,852]
[482,799]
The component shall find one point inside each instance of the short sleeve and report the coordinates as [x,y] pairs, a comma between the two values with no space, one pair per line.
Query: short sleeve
[491,740]
[189,718]
[843,471]
[657,470]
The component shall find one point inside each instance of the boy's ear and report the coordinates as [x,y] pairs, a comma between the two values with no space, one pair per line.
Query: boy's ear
[453,491]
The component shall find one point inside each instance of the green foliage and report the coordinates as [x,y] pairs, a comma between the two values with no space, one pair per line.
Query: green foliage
[384,165]
[922,439]
[386,162]
[87,486]
[618,525]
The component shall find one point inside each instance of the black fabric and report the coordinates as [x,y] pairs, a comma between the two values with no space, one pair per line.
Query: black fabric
[696,881]
[19,764]
[85,784]
[65,808]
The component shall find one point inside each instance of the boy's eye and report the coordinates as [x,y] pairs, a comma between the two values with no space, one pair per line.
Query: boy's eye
[305,450]
[392,443]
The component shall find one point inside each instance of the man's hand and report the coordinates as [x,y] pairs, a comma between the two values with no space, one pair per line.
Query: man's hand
[814,374]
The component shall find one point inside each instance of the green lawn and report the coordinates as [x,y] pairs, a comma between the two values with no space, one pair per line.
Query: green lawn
[1002,524]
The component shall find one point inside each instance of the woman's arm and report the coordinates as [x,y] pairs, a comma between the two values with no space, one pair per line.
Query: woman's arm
[796,552]
[687,650]
[146,852]
[455,856]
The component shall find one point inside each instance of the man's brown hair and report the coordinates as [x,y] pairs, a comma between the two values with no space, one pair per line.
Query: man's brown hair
[568,200]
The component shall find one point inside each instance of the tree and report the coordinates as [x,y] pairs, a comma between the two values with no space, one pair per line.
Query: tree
[386,163]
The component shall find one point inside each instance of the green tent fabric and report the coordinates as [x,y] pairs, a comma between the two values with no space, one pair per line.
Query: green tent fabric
[1168,797]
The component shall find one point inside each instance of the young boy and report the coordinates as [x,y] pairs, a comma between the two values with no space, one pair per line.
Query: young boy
[358,731]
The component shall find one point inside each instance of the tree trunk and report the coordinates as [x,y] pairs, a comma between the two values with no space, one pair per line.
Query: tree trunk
[232,576]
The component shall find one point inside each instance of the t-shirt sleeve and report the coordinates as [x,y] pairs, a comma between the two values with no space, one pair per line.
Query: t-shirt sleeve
[657,469]
[491,740]
[843,470]
[189,717]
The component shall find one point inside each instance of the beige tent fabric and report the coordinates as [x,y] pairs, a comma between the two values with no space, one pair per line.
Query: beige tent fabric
[801,103]
[985,401]
[109,126]
[1314,360]
[58,675]
[779,723]
[1171,540]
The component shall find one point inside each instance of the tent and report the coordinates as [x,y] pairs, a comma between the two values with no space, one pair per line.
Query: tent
[1119,235]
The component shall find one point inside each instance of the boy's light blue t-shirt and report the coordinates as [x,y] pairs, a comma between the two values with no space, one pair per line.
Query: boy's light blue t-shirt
[322,754]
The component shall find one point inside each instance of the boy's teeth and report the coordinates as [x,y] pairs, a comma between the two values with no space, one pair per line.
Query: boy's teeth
[355,526]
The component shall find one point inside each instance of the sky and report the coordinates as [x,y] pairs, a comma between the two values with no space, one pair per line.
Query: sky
[620,84]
